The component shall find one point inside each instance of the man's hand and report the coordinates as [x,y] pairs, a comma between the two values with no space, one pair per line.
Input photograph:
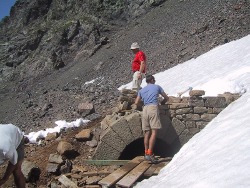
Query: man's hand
[165,98]
[134,106]
[139,75]
[163,102]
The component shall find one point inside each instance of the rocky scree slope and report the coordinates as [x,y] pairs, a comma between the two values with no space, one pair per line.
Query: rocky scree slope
[50,48]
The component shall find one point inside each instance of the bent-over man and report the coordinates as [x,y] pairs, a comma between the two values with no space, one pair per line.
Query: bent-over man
[12,149]
[150,116]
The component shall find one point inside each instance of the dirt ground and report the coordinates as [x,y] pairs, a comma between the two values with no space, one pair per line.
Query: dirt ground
[39,154]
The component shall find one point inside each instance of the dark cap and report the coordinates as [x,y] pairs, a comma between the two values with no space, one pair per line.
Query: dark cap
[149,78]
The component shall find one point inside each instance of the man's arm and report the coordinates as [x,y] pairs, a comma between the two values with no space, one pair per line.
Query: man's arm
[165,96]
[137,100]
[142,66]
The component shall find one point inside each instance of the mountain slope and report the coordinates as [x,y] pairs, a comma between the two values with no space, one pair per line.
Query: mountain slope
[48,84]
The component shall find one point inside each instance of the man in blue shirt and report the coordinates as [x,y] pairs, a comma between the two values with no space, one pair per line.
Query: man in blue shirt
[150,116]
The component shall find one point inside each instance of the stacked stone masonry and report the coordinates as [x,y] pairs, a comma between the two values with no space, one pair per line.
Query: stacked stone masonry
[181,118]
[191,114]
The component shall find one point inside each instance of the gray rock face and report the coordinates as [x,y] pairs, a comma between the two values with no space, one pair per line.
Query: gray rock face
[48,32]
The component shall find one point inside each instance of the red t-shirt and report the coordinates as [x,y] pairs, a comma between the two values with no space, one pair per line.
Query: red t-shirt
[139,56]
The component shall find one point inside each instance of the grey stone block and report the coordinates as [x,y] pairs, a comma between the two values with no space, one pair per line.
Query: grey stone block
[179,105]
[105,152]
[121,127]
[185,137]
[200,110]
[193,117]
[114,140]
[184,111]
[196,101]
[178,125]
[208,117]
[196,92]
[173,99]
[55,158]
[167,133]
[30,171]
[201,124]
[215,102]
[217,110]
[190,124]
[52,168]
[134,123]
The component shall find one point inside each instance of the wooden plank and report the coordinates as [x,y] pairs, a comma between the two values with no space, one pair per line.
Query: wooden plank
[67,182]
[155,168]
[120,172]
[106,162]
[133,175]
[150,171]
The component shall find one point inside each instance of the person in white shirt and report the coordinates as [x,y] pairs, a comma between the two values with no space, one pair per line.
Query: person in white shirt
[12,149]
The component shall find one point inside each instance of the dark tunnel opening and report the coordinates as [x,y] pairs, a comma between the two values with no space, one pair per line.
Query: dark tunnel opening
[136,148]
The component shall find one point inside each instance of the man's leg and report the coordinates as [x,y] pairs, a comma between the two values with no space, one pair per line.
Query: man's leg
[136,83]
[140,80]
[147,134]
[151,143]
[18,175]
[146,128]
[152,140]
[155,125]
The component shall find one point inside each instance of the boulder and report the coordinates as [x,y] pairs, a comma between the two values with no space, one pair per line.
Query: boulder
[86,108]
[53,168]
[66,149]
[84,135]
[196,93]
[30,171]
[54,158]
[51,136]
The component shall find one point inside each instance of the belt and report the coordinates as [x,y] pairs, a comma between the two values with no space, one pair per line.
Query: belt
[138,70]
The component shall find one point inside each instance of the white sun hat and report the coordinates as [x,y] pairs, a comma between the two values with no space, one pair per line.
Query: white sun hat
[134,45]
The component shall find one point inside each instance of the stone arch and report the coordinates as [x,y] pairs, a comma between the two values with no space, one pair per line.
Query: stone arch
[121,132]
[117,133]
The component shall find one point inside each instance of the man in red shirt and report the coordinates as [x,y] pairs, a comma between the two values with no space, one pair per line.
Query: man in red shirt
[138,66]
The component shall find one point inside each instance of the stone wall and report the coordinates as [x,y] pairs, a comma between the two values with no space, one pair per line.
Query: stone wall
[181,118]
[189,115]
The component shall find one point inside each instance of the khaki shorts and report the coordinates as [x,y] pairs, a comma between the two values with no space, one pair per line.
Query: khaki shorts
[151,118]
[136,83]
[20,151]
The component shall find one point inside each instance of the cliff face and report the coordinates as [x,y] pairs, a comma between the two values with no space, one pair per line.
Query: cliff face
[45,35]
[50,48]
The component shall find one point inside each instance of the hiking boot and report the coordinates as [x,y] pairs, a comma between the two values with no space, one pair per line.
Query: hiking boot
[151,158]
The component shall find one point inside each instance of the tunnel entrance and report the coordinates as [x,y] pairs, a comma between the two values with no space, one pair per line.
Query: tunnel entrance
[136,148]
